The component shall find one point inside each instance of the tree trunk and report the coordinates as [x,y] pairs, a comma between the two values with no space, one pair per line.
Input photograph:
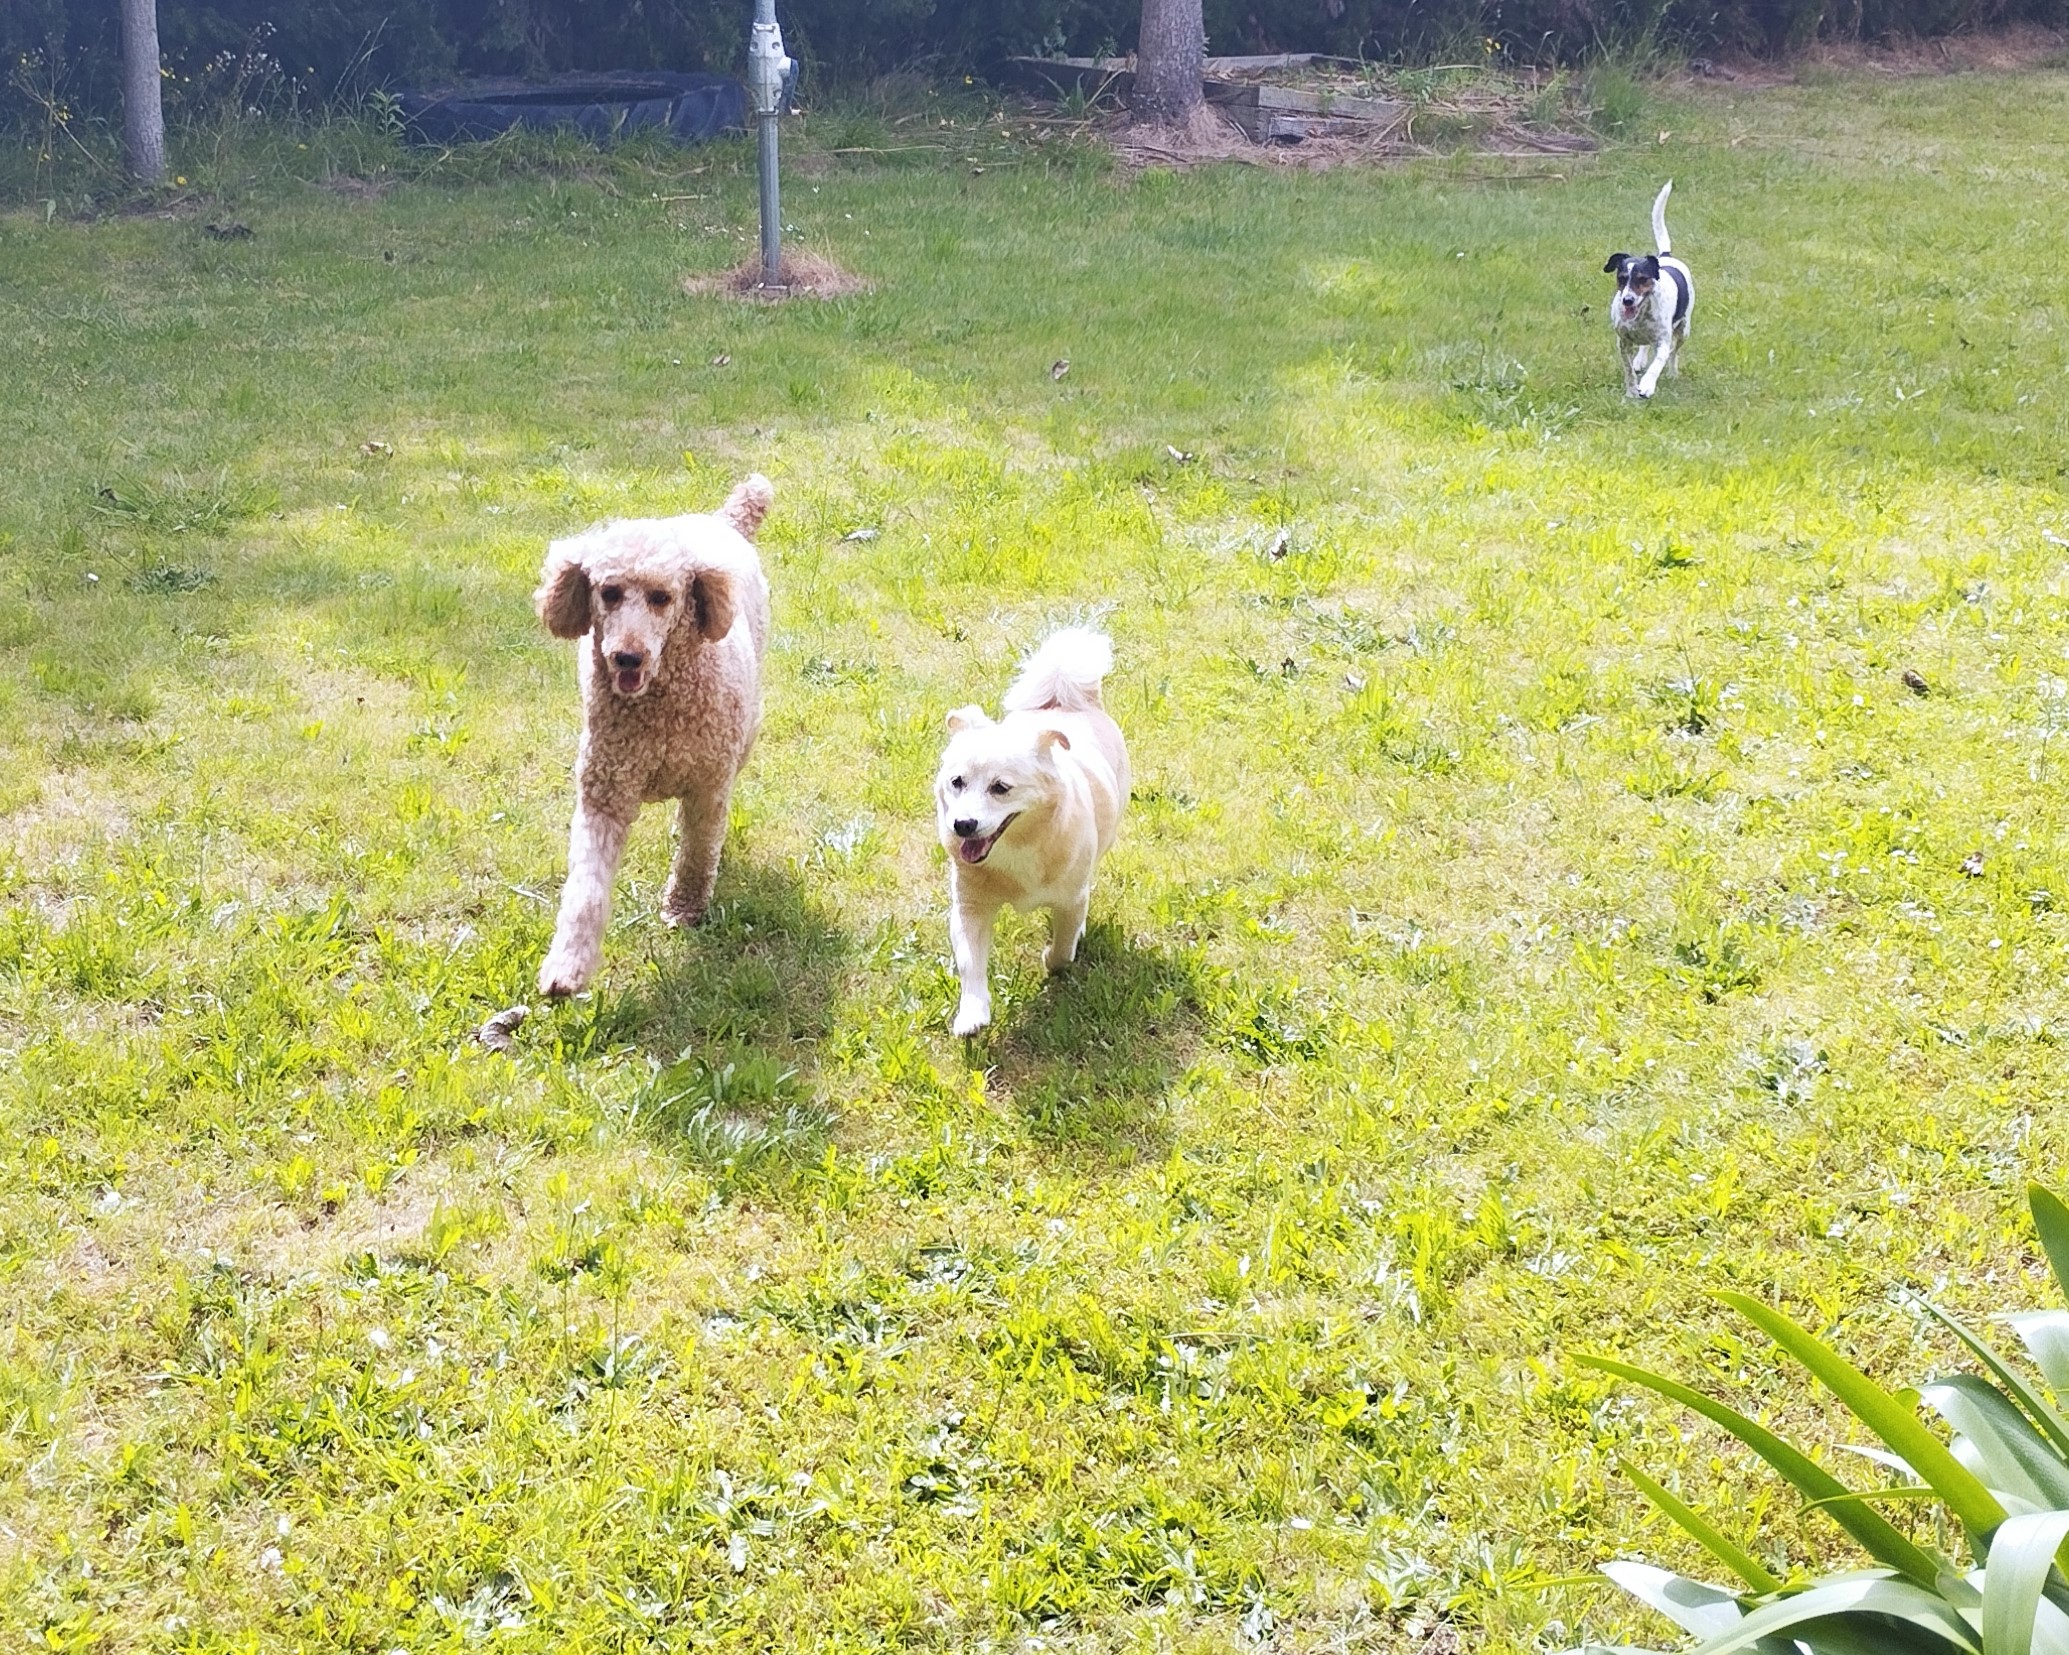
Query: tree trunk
[1170,62]
[143,108]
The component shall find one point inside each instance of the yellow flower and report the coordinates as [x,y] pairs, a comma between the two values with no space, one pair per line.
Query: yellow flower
[177,179]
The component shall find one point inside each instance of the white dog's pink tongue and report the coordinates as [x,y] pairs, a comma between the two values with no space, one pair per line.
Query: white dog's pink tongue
[972,850]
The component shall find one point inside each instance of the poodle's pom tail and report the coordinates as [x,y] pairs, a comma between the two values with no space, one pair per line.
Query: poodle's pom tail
[1065,672]
[748,504]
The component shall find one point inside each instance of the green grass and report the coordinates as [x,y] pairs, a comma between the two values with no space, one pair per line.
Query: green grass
[1543,902]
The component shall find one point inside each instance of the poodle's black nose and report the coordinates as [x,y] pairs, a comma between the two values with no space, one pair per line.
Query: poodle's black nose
[965,827]
[628,660]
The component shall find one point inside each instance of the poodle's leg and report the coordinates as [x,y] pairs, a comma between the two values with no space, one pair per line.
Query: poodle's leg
[700,834]
[969,935]
[594,846]
[1066,930]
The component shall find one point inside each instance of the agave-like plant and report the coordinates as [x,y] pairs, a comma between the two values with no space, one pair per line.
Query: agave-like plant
[2004,1479]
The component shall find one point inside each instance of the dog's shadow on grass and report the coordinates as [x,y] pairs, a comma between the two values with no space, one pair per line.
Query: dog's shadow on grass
[1089,1055]
[762,970]
[735,1009]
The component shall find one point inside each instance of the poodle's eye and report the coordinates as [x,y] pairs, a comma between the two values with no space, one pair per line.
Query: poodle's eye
[998,790]
[658,600]
[612,595]
[957,784]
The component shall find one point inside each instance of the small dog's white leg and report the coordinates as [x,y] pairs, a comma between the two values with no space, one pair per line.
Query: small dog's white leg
[969,935]
[1661,356]
[700,835]
[595,843]
[1066,930]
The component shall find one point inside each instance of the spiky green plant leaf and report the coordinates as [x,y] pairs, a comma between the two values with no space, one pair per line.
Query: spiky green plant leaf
[2051,1223]
[2022,1553]
[1693,1605]
[1882,1540]
[1706,1534]
[1974,1506]
[1923,1618]
[2000,1445]
[2022,1390]
[2045,1334]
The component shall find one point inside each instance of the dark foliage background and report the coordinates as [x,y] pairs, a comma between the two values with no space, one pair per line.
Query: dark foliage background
[329,50]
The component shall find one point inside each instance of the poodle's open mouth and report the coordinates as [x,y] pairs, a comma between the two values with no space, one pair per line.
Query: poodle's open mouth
[629,680]
[974,851]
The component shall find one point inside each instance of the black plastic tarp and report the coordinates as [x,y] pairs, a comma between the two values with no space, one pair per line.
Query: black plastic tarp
[689,108]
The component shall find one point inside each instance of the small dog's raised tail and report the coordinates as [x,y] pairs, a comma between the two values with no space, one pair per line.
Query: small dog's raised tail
[1065,672]
[1659,217]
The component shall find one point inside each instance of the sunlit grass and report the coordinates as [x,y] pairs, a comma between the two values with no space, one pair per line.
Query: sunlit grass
[1544,900]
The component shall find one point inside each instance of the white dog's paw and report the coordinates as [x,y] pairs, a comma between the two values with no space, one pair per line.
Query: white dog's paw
[1058,957]
[563,973]
[971,1016]
[1645,393]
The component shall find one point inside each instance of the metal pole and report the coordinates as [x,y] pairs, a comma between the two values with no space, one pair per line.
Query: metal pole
[772,205]
[768,72]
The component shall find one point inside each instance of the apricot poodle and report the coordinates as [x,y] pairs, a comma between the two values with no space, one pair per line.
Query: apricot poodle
[676,614]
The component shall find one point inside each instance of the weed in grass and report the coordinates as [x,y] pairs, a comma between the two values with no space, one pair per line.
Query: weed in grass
[1619,102]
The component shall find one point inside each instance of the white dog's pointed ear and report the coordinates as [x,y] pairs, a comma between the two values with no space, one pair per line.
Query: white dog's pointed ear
[748,504]
[711,592]
[562,599]
[971,717]
[1046,739]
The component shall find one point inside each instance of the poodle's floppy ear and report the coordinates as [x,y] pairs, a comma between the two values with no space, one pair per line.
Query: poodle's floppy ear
[1045,740]
[748,504]
[563,595]
[712,592]
[972,717]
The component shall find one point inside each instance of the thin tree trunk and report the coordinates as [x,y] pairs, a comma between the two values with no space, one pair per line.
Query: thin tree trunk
[1170,62]
[143,107]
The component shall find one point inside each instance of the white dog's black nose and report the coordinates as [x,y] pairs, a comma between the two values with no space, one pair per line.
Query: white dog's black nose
[965,827]
[628,660]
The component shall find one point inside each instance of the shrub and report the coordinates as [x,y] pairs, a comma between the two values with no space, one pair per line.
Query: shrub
[2004,1482]
[339,49]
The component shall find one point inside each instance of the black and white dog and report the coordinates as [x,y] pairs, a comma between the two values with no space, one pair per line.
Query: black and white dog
[1654,294]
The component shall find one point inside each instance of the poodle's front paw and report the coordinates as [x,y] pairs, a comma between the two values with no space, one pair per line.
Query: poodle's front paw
[565,972]
[973,1014]
[681,907]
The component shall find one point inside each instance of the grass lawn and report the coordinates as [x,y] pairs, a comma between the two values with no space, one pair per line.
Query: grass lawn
[1543,902]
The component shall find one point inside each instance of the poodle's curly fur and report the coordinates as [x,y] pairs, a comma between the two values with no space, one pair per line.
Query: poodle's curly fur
[676,614]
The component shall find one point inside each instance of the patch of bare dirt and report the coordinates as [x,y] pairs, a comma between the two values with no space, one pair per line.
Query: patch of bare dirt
[1215,137]
[805,275]
[357,189]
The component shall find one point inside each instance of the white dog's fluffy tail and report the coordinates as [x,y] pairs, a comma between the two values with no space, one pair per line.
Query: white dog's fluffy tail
[1065,672]
[1659,217]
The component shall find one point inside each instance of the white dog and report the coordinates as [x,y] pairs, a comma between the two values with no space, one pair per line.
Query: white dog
[1027,806]
[1654,295]
[674,616]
